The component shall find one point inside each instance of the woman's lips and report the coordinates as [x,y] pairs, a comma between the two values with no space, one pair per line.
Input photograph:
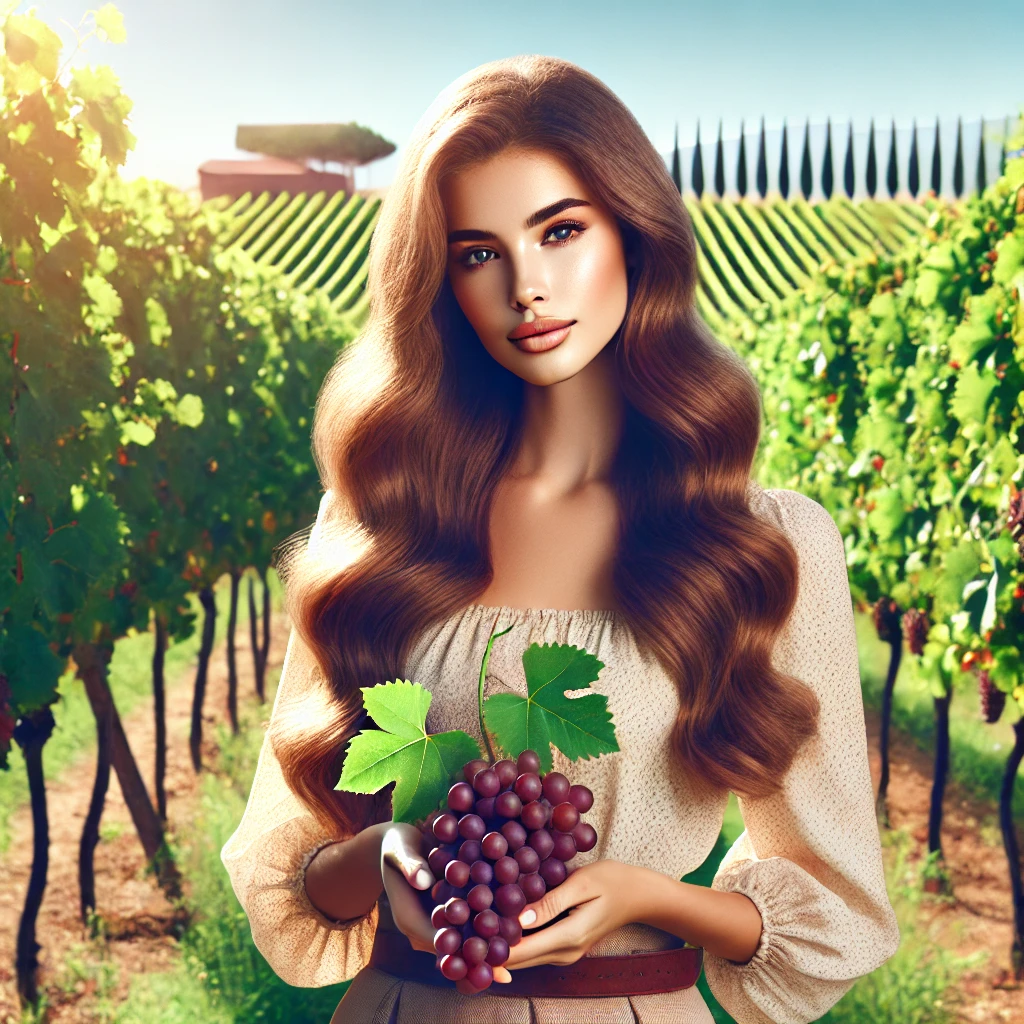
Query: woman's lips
[544,341]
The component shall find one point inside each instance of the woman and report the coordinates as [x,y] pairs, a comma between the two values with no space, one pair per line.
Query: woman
[535,426]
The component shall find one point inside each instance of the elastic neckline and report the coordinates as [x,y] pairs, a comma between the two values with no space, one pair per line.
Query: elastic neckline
[561,614]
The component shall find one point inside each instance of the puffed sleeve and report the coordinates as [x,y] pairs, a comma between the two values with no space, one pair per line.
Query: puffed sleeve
[810,857]
[267,855]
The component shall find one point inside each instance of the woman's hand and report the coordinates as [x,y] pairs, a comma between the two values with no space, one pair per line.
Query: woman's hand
[403,870]
[602,896]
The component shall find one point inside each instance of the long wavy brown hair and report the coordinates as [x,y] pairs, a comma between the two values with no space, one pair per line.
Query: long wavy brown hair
[416,423]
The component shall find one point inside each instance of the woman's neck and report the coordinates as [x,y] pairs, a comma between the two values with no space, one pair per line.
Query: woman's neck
[571,429]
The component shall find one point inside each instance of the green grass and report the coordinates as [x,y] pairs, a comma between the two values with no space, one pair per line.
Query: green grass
[220,964]
[131,683]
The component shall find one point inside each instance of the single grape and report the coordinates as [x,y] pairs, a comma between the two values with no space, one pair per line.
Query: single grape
[494,845]
[453,967]
[470,768]
[446,828]
[485,924]
[556,787]
[480,975]
[456,910]
[534,815]
[580,797]
[527,858]
[506,870]
[441,891]
[552,871]
[474,949]
[542,842]
[438,858]
[528,761]
[469,851]
[456,873]
[486,783]
[471,826]
[461,797]
[510,930]
[485,807]
[529,787]
[514,832]
[480,897]
[506,771]
[564,848]
[533,887]
[438,918]
[585,837]
[497,951]
[482,873]
[564,817]
[507,805]
[510,900]
[447,940]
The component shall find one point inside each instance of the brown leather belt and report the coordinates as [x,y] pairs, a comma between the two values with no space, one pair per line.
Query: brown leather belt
[632,975]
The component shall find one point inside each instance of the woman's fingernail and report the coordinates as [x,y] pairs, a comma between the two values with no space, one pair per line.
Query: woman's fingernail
[527,917]
[423,878]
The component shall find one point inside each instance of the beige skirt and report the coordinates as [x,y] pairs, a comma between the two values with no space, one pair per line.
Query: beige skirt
[376,997]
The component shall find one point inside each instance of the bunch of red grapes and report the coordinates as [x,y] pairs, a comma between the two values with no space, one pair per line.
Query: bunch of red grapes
[501,842]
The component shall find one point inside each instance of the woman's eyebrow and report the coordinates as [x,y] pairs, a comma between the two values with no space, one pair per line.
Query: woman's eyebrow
[476,235]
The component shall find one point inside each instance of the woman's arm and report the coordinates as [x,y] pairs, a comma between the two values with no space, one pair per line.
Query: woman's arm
[608,894]
[344,880]
[357,861]
[726,924]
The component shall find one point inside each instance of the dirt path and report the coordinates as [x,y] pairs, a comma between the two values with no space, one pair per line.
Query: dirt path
[981,915]
[140,918]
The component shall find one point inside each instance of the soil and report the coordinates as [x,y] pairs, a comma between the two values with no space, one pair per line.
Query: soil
[141,924]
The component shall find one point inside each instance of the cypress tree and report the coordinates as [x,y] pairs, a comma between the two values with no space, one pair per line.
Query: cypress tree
[848,166]
[806,179]
[697,171]
[871,176]
[914,173]
[826,166]
[937,161]
[958,160]
[892,174]
[784,163]
[762,164]
[741,165]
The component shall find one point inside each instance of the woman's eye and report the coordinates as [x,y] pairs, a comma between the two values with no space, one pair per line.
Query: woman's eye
[568,226]
[469,262]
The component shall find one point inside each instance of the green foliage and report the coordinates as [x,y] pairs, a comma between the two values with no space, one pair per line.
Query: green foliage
[146,365]
[345,143]
[401,751]
[579,726]
[891,387]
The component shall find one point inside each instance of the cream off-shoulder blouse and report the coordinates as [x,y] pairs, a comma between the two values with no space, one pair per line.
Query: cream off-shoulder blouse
[809,858]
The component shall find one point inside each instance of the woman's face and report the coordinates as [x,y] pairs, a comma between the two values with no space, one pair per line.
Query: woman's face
[524,233]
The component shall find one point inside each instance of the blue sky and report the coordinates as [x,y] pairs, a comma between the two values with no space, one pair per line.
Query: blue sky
[197,68]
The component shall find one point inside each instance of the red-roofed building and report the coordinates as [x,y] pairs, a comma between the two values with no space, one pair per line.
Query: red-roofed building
[267,174]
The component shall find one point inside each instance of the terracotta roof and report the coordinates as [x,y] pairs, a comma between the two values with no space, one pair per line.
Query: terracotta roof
[265,165]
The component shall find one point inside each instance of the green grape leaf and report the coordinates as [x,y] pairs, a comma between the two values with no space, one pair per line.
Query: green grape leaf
[400,751]
[189,410]
[579,726]
[110,23]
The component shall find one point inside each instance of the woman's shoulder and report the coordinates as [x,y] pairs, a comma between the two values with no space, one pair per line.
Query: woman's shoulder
[804,519]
